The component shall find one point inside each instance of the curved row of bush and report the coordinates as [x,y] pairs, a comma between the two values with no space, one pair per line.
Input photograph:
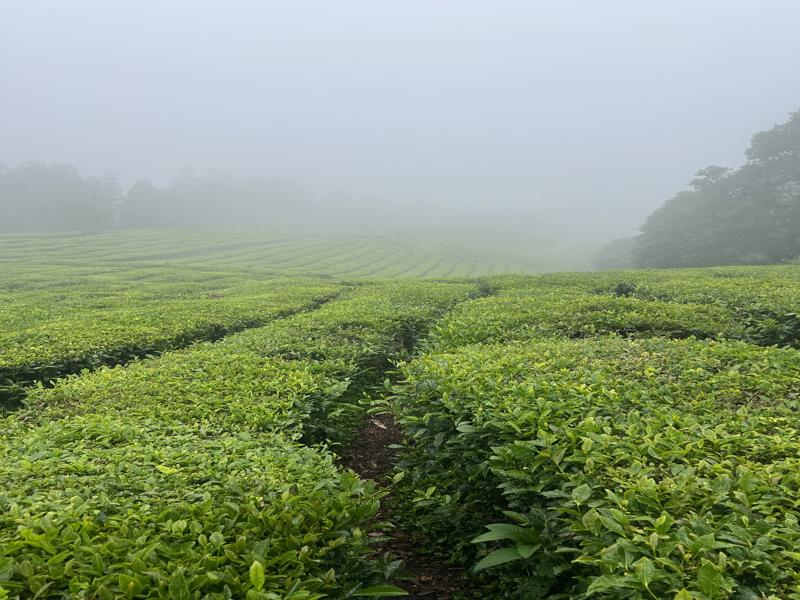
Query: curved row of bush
[183,476]
[179,477]
[535,314]
[305,369]
[369,327]
[49,333]
[111,507]
[611,468]
[355,339]
[765,301]
[227,389]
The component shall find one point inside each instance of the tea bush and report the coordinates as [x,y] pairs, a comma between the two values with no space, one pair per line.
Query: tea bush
[765,301]
[181,476]
[113,507]
[49,333]
[533,313]
[222,389]
[613,468]
[369,327]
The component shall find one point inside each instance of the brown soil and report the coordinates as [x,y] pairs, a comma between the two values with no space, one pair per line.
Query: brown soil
[370,454]
[371,457]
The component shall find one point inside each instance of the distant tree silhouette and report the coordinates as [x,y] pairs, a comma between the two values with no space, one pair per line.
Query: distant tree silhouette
[617,254]
[35,196]
[749,215]
[38,197]
[212,200]
[145,206]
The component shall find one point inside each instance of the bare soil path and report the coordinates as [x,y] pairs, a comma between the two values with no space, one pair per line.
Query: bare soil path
[371,456]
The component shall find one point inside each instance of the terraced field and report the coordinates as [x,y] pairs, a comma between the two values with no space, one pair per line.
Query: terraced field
[199,418]
[265,251]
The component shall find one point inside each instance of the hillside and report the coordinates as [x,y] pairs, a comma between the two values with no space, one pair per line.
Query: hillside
[285,249]
[201,418]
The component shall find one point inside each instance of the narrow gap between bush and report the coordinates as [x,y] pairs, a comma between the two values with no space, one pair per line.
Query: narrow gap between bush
[373,454]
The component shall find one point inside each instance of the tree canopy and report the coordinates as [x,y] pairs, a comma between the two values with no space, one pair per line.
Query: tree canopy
[41,197]
[35,196]
[749,215]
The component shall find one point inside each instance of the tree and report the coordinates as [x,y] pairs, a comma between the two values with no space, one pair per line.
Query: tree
[144,206]
[750,215]
[617,254]
[35,196]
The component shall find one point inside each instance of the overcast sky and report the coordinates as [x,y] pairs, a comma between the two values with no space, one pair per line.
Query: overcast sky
[587,111]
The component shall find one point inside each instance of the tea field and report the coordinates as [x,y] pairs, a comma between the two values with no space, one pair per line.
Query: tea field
[285,250]
[178,413]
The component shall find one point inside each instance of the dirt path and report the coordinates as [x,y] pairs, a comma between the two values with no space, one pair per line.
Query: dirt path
[372,457]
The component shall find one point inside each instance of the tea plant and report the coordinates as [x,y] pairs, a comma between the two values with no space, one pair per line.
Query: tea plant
[111,507]
[613,468]
[51,332]
[535,312]
[181,475]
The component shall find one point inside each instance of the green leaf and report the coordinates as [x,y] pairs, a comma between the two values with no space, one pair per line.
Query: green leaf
[609,582]
[581,494]
[645,571]
[179,526]
[6,568]
[613,525]
[703,543]
[217,538]
[128,585]
[663,523]
[257,575]
[381,590]
[166,470]
[709,579]
[591,520]
[498,557]
[506,531]
[178,589]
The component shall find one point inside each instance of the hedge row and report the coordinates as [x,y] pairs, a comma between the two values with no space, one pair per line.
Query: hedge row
[182,477]
[306,369]
[535,312]
[611,468]
[114,507]
[47,334]
[765,301]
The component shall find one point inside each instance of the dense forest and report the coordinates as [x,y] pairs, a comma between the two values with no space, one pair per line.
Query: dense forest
[38,197]
[749,215]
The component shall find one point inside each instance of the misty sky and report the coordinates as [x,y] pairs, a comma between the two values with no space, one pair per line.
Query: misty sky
[592,111]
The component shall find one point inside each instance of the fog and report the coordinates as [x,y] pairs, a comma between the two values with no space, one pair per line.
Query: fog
[569,120]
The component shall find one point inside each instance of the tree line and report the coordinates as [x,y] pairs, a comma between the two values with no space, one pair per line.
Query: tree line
[40,197]
[748,215]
